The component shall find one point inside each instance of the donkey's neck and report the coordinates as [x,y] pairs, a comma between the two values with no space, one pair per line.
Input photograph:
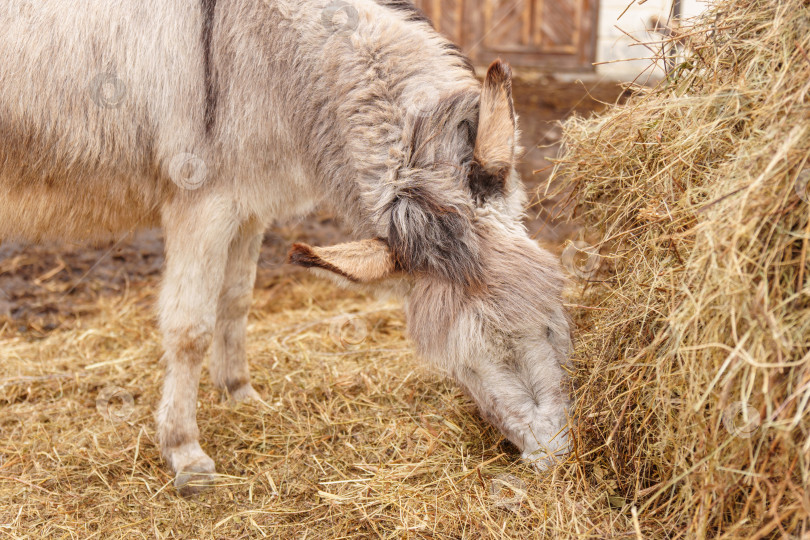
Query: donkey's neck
[349,92]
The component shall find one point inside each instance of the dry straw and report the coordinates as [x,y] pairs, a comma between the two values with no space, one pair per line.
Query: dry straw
[693,361]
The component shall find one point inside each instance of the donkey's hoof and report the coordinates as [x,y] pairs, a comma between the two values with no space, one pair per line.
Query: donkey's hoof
[245,393]
[195,477]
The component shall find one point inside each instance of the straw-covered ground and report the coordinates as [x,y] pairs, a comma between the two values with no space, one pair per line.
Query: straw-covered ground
[356,439]
[693,356]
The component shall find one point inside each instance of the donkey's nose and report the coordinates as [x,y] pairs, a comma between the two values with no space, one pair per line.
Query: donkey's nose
[546,454]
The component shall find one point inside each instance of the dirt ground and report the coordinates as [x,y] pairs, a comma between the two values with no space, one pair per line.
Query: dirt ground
[77,320]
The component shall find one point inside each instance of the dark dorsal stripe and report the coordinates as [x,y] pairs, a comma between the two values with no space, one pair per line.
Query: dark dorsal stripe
[208,8]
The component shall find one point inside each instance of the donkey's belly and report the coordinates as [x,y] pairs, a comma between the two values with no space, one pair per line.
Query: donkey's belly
[83,209]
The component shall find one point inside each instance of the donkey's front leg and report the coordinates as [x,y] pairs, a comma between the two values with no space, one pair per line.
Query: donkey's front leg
[198,234]
[228,363]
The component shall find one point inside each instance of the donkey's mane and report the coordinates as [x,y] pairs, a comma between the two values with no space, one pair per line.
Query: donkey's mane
[408,8]
[413,13]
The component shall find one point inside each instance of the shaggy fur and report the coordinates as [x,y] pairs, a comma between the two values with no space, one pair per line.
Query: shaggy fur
[214,119]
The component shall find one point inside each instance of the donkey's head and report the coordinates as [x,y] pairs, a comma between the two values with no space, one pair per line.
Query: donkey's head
[483,301]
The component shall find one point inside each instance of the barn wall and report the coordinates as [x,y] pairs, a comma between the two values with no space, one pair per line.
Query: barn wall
[558,36]
[613,44]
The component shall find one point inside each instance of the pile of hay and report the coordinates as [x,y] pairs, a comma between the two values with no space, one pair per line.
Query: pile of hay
[693,356]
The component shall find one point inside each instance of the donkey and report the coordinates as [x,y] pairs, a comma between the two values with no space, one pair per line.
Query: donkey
[214,118]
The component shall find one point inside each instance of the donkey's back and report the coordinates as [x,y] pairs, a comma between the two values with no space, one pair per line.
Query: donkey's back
[95,100]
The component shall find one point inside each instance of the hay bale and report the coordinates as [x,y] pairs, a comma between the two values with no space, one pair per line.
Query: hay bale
[693,359]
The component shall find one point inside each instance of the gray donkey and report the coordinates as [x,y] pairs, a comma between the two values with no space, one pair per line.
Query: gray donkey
[215,118]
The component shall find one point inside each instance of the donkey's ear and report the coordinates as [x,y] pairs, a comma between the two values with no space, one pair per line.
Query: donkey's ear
[363,262]
[495,142]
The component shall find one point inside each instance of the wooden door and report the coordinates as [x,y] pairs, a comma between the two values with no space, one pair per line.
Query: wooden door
[549,34]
